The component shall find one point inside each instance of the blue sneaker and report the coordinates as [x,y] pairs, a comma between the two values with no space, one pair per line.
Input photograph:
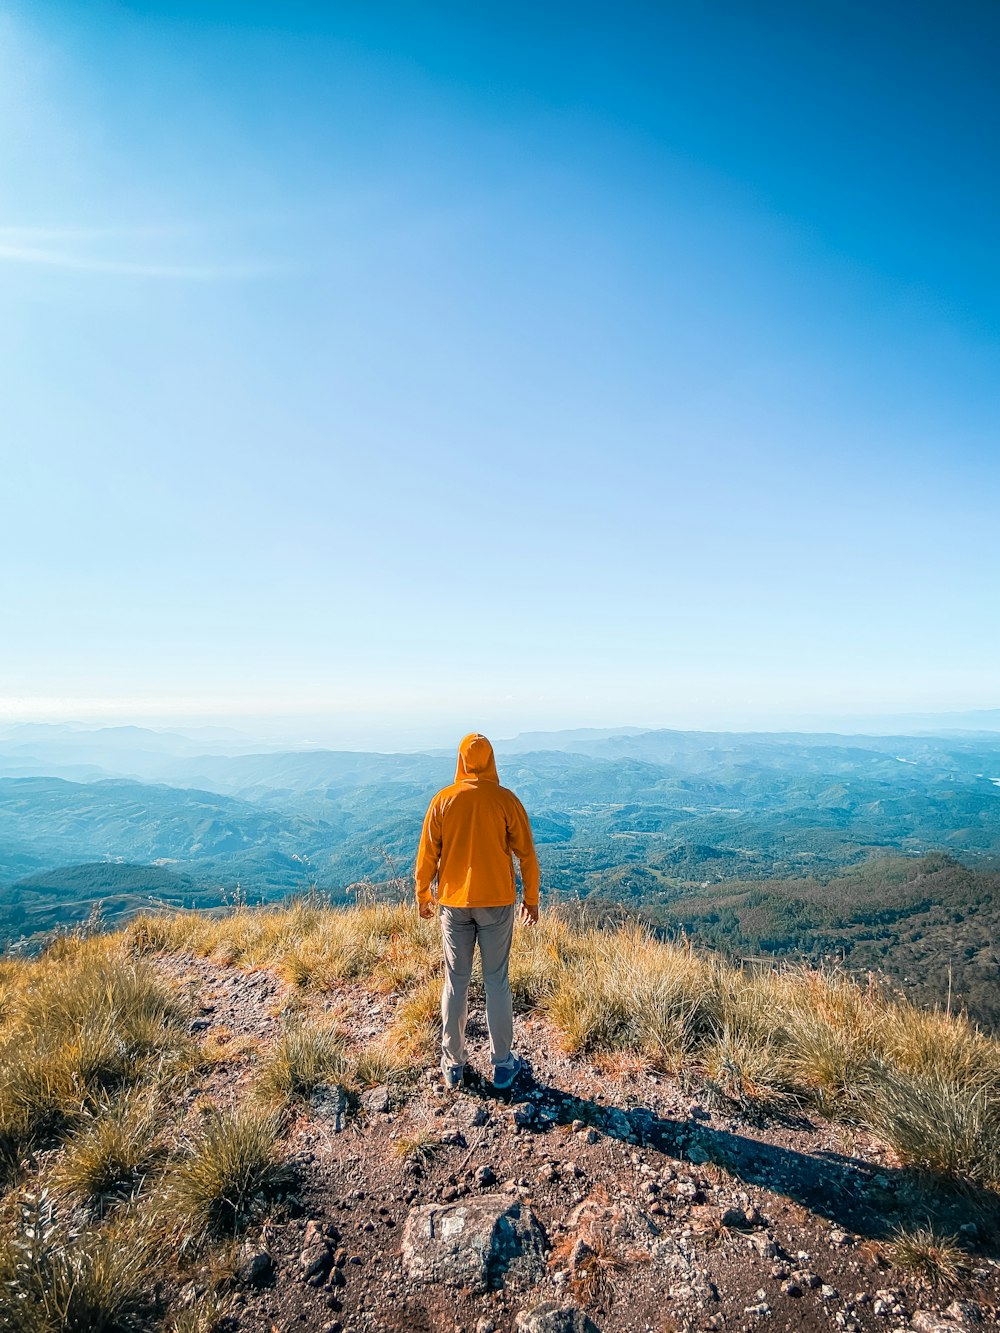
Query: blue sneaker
[505,1074]
[454,1075]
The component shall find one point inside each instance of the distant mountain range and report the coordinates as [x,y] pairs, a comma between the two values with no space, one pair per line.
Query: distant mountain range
[661,821]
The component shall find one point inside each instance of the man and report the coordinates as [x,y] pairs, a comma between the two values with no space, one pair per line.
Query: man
[470,830]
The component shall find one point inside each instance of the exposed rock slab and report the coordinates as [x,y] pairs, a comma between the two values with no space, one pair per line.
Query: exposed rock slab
[551,1317]
[475,1244]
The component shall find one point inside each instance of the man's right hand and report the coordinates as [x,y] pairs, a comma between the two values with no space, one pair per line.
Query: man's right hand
[426,910]
[528,914]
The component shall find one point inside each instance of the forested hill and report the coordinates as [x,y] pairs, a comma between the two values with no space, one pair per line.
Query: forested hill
[757,844]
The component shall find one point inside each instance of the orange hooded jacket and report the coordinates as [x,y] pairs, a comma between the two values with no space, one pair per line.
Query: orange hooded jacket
[470,830]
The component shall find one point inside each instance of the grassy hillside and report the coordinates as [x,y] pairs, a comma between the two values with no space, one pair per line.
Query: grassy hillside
[147,1160]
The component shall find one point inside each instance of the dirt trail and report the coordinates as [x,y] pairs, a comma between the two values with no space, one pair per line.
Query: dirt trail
[659,1211]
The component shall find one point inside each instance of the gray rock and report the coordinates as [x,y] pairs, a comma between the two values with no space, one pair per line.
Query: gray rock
[256,1267]
[376,1100]
[328,1103]
[806,1278]
[689,1284]
[965,1312]
[736,1218]
[315,1260]
[551,1317]
[485,1176]
[579,1255]
[929,1321]
[477,1244]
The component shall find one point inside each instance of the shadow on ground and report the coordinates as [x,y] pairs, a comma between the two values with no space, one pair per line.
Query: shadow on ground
[871,1201]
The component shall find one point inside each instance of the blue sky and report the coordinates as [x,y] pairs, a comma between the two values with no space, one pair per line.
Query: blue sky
[503,365]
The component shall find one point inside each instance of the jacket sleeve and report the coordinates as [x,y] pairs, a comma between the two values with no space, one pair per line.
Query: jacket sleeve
[428,854]
[522,844]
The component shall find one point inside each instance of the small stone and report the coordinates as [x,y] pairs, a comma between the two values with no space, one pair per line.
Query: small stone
[577,1126]
[827,1292]
[839,1240]
[485,1176]
[339,1257]
[765,1247]
[314,1260]
[376,1100]
[698,1112]
[256,1267]
[736,1218]
[965,1312]
[579,1255]
[328,1102]
[592,1136]
[806,1279]
[779,1272]
[791,1288]
[759,1311]
[199,1024]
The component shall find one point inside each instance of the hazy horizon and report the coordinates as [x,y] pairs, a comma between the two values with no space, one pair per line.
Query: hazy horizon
[293,731]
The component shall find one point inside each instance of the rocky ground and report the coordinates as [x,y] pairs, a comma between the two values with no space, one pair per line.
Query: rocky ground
[587,1198]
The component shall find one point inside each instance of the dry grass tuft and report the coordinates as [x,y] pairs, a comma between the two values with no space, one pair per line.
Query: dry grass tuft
[79,1025]
[305,1056]
[419,1146]
[53,1280]
[416,1029]
[108,1160]
[231,1165]
[937,1260]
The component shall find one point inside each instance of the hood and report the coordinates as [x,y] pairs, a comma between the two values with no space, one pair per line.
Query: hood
[475,759]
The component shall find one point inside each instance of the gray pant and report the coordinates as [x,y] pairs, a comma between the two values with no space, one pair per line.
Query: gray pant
[461,927]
